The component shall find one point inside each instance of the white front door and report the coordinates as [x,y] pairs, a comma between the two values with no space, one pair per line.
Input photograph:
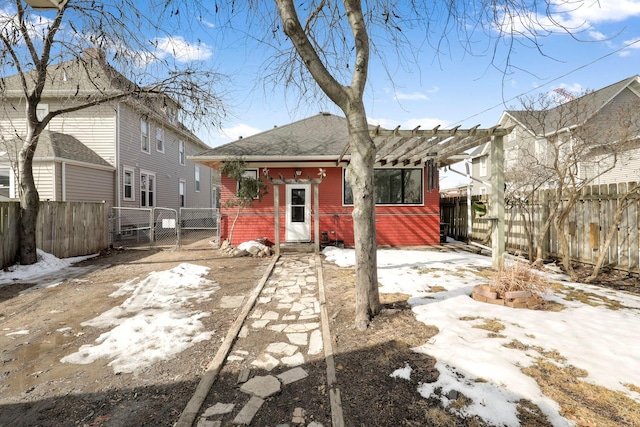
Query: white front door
[298,213]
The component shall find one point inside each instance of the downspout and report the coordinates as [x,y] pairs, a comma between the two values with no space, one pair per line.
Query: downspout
[118,171]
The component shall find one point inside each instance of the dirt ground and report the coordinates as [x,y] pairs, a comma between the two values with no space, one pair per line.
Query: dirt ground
[36,389]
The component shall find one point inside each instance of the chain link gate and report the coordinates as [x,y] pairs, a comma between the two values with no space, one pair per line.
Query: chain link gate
[166,228]
[144,228]
[199,228]
[131,227]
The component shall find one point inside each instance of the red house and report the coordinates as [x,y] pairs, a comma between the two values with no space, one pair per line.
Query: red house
[307,159]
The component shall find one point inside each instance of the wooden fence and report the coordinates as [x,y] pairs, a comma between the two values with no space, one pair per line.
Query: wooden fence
[64,229]
[586,228]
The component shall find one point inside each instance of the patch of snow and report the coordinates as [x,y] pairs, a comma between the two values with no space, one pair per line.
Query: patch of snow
[404,373]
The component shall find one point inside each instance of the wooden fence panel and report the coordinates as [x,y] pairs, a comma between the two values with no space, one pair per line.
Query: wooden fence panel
[64,229]
[586,227]
[9,247]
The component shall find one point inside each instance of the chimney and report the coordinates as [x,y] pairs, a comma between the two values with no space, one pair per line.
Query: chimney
[95,53]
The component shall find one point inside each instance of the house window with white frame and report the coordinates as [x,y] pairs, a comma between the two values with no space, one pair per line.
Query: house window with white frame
[182,190]
[181,153]
[147,189]
[144,135]
[160,139]
[511,157]
[249,174]
[127,184]
[197,178]
[6,182]
[483,165]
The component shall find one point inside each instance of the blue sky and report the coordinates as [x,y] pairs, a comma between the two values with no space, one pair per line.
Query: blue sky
[451,89]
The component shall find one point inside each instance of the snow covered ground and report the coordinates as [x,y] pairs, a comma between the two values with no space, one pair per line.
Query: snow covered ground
[597,339]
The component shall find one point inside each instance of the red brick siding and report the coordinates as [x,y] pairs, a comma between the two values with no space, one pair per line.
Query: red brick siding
[395,225]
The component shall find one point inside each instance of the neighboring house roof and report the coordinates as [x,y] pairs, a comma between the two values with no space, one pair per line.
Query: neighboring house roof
[91,77]
[60,146]
[320,137]
[587,106]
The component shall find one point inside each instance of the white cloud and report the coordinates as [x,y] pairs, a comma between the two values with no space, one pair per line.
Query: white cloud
[183,50]
[413,96]
[236,132]
[572,18]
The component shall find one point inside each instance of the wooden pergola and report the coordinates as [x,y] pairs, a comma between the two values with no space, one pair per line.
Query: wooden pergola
[432,148]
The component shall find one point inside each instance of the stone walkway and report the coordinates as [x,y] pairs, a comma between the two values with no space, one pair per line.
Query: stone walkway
[287,315]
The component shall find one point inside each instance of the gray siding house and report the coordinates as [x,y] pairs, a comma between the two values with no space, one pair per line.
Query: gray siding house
[130,152]
[606,114]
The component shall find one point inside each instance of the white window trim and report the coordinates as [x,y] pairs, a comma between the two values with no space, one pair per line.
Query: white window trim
[249,173]
[12,182]
[160,132]
[155,194]
[126,169]
[182,192]
[197,178]
[482,164]
[182,152]
[142,136]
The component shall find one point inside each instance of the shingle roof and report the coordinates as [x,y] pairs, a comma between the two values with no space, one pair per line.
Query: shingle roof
[320,135]
[60,146]
[574,112]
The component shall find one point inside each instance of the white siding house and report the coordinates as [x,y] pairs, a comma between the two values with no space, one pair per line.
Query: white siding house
[138,146]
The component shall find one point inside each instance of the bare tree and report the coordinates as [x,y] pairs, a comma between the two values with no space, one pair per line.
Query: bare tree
[572,145]
[333,43]
[39,49]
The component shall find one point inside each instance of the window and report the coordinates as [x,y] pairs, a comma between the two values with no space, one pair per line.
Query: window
[181,191]
[393,187]
[160,140]
[181,152]
[249,174]
[483,165]
[42,110]
[197,178]
[127,183]
[511,156]
[6,183]
[147,189]
[144,135]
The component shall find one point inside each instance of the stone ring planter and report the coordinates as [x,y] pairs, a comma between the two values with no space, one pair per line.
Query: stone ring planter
[513,299]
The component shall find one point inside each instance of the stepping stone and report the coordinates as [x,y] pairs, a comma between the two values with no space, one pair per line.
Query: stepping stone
[298,338]
[311,279]
[264,300]
[314,424]
[283,306]
[218,409]
[248,411]
[277,328]
[315,342]
[257,314]
[231,301]
[282,348]
[259,324]
[203,422]
[244,331]
[289,317]
[297,307]
[268,290]
[307,312]
[292,375]
[234,358]
[261,387]
[309,317]
[295,360]
[270,315]
[243,376]
[266,362]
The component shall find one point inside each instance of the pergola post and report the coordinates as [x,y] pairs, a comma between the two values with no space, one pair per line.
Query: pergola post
[276,216]
[497,202]
[316,218]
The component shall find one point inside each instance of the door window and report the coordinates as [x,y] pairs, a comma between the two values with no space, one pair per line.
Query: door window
[298,199]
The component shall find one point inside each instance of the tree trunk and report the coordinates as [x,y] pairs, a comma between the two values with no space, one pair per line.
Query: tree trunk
[564,245]
[360,178]
[29,202]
